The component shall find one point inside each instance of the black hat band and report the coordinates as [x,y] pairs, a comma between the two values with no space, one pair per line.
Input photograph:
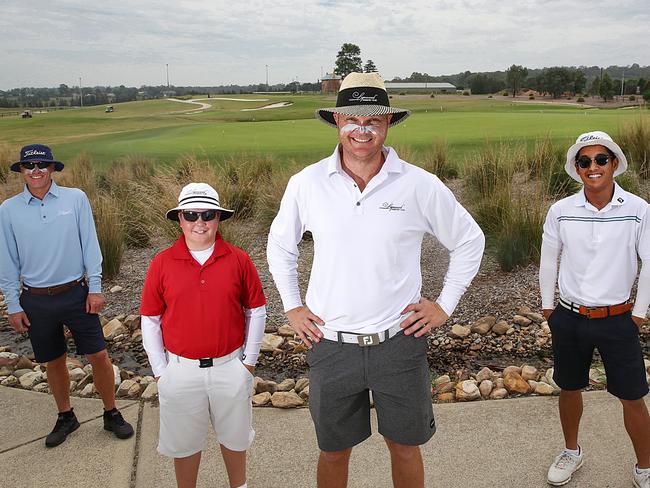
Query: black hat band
[369,95]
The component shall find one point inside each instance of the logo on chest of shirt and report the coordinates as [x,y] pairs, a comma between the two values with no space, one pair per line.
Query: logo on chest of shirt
[64,212]
[391,207]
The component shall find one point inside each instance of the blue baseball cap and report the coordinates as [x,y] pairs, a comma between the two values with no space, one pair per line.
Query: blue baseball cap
[33,153]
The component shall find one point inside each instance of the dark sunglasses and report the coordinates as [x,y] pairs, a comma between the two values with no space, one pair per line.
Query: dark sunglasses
[206,215]
[40,164]
[585,161]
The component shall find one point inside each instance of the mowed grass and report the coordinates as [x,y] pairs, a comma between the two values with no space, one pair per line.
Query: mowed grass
[166,130]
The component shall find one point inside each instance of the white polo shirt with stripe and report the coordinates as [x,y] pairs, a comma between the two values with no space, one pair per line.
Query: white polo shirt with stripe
[367,245]
[599,248]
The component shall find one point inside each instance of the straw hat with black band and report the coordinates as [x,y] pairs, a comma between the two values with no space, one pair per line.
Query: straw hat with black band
[362,95]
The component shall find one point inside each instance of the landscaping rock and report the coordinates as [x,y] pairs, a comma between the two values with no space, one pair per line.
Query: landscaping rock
[447,397]
[544,389]
[442,380]
[261,399]
[304,393]
[467,391]
[483,325]
[270,342]
[113,329]
[501,327]
[459,331]
[514,383]
[286,399]
[498,394]
[484,374]
[286,331]
[529,372]
[9,381]
[485,388]
[286,385]
[521,320]
[301,384]
[150,392]
[124,388]
[30,380]
[77,374]
[116,289]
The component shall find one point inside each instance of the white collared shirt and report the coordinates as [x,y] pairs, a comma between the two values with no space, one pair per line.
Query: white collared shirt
[599,248]
[366,265]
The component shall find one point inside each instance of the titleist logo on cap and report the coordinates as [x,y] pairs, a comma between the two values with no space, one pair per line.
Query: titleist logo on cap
[360,97]
[34,152]
[589,137]
[198,192]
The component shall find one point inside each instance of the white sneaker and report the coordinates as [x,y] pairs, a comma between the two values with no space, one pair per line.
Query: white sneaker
[642,480]
[563,468]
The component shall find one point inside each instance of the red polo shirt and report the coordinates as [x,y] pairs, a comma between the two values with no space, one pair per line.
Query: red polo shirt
[201,306]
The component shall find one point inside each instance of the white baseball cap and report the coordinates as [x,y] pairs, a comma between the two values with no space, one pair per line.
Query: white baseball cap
[199,196]
[594,138]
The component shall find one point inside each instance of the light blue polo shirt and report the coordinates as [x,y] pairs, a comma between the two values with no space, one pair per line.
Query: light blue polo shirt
[47,242]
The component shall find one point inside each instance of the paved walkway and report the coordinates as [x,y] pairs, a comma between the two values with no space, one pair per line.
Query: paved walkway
[505,443]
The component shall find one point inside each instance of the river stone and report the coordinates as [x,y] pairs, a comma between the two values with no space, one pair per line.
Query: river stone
[6,370]
[550,380]
[31,379]
[485,388]
[459,331]
[446,397]
[484,374]
[535,317]
[446,387]
[484,324]
[529,372]
[304,393]
[501,327]
[597,376]
[514,383]
[261,399]
[440,380]
[41,388]
[9,381]
[466,391]
[124,388]
[266,385]
[77,374]
[19,372]
[521,320]
[511,369]
[286,385]
[88,391]
[286,399]
[10,357]
[543,389]
[270,342]
[498,394]
[286,331]
[301,384]
[498,383]
[150,392]
[116,289]
[113,329]
[24,363]
[523,310]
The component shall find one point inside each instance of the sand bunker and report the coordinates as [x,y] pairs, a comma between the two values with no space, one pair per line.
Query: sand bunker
[273,105]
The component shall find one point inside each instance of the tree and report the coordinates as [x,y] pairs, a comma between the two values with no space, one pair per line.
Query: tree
[579,81]
[348,60]
[555,81]
[515,76]
[606,88]
[594,89]
[370,67]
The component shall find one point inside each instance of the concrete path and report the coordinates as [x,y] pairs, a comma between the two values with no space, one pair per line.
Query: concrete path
[505,443]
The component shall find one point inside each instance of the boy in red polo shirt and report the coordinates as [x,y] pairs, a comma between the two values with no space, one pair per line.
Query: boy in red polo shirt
[203,316]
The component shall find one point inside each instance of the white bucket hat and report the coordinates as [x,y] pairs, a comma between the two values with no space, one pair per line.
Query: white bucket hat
[199,196]
[363,95]
[595,138]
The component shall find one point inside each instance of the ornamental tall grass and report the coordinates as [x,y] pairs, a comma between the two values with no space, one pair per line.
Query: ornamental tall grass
[634,139]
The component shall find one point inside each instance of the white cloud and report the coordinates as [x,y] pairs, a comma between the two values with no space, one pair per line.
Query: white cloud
[44,43]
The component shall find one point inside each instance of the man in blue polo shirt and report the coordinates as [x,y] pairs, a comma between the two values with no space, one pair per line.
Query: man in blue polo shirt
[50,274]
[599,234]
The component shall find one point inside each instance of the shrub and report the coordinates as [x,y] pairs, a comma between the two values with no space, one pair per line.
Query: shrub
[632,98]
[505,94]
[432,95]
[580,100]
[465,93]
[531,97]
[634,139]
[489,96]
[402,93]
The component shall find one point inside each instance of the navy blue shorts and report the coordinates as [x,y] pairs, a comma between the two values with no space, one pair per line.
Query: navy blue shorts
[397,373]
[47,315]
[617,339]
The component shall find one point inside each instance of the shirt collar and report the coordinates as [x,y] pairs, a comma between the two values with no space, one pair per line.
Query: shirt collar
[180,250]
[392,162]
[618,199]
[54,191]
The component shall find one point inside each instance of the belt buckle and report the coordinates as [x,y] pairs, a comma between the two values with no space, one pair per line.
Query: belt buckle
[368,340]
[205,363]
[49,290]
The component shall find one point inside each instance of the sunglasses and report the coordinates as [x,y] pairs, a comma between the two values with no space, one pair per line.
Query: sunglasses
[40,164]
[585,161]
[206,215]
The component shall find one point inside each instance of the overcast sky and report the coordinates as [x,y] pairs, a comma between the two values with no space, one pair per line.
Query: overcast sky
[213,42]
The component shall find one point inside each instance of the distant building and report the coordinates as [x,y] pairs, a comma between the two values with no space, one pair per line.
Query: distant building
[330,84]
[420,87]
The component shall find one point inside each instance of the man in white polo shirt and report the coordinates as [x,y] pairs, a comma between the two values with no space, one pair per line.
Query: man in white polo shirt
[599,232]
[364,319]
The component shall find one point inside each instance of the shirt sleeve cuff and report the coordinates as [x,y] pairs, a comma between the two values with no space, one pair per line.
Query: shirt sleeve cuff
[94,285]
[14,308]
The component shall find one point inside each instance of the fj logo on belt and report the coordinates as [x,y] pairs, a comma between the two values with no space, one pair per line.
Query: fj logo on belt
[368,340]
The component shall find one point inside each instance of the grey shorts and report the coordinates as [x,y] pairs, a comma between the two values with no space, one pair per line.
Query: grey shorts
[341,376]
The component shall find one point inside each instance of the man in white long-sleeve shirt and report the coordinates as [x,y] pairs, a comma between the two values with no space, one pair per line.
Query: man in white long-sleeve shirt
[364,319]
[203,314]
[599,232]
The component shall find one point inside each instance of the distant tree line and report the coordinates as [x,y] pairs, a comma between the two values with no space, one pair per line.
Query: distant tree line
[555,81]
[65,96]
